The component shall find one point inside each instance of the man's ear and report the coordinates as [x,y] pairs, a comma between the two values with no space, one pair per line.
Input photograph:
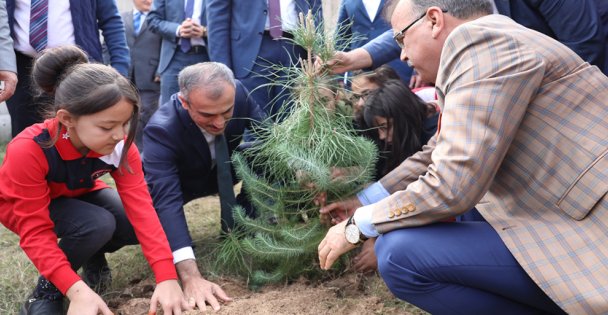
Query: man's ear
[437,19]
[182,100]
[65,118]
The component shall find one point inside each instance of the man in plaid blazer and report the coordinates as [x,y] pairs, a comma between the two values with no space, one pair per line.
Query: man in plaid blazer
[523,137]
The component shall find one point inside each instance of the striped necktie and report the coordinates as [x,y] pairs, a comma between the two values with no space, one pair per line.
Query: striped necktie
[38,24]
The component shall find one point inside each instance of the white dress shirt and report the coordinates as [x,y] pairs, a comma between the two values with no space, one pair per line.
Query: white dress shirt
[60,29]
[372,7]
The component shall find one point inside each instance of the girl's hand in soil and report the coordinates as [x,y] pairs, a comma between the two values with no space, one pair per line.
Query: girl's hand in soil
[170,297]
[366,261]
[84,301]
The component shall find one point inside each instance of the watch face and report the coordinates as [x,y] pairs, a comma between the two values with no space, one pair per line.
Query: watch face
[352,234]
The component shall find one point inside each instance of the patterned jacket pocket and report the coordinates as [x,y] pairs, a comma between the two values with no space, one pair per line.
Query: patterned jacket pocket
[590,186]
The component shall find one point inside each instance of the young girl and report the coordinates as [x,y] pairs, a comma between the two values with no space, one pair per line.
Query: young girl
[49,188]
[400,121]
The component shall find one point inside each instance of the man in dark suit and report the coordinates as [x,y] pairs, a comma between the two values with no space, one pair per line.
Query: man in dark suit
[182,158]
[240,37]
[181,23]
[144,46]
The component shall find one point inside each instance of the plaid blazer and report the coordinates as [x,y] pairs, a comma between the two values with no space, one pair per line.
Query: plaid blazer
[524,138]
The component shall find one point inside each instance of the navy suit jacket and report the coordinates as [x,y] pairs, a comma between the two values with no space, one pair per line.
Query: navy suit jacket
[164,19]
[236,28]
[364,30]
[177,161]
[89,17]
[575,23]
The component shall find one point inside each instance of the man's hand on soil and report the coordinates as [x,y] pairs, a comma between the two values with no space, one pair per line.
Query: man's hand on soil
[198,291]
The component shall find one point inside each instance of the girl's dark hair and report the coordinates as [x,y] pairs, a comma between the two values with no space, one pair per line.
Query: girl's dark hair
[82,88]
[379,76]
[405,113]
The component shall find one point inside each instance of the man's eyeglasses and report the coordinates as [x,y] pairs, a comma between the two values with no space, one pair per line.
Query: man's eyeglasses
[400,35]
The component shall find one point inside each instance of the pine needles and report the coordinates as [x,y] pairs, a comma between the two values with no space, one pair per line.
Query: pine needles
[312,150]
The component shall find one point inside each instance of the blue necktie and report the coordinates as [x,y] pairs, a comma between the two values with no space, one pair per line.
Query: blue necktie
[137,22]
[185,44]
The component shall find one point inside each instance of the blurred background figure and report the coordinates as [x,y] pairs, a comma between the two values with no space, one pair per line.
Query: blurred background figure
[363,19]
[144,46]
[602,10]
[8,65]
[574,23]
[248,36]
[40,24]
[182,25]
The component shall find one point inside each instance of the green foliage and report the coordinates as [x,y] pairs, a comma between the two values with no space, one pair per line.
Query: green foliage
[312,150]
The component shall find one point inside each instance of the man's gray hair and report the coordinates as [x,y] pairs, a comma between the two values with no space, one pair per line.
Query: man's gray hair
[208,75]
[460,9]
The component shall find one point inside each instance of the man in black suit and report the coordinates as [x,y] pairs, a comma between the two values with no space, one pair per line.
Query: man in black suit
[180,149]
[144,46]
